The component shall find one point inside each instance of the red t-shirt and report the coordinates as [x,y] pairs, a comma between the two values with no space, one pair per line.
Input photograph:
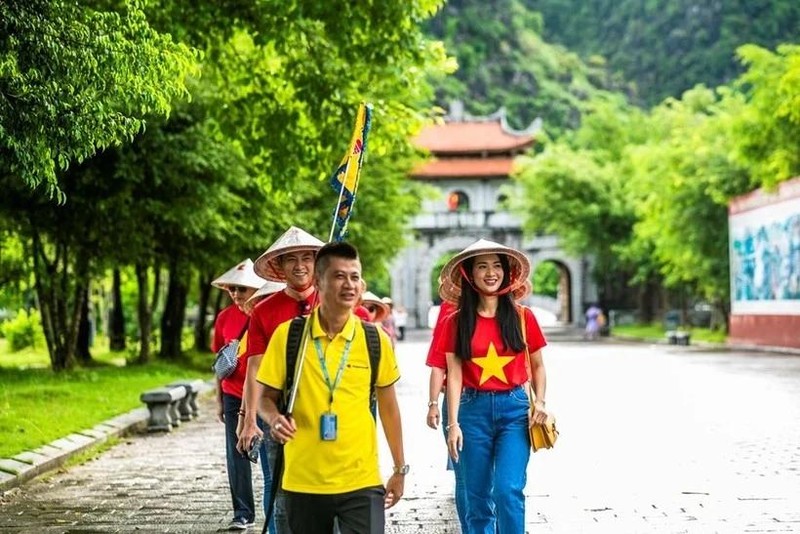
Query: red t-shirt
[228,326]
[493,367]
[436,357]
[265,318]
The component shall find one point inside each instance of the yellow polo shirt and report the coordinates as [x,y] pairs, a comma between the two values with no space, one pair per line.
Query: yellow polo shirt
[351,461]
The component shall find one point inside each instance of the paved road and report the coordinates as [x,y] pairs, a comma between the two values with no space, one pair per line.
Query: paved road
[653,440]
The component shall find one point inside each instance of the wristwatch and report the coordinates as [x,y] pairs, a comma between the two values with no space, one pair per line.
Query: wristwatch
[402,469]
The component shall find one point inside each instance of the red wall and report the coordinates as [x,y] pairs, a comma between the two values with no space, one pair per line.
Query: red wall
[772,330]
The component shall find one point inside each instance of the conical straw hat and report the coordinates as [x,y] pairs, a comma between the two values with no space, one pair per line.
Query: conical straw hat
[240,275]
[293,240]
[382,310]
[451,277]
[267,289]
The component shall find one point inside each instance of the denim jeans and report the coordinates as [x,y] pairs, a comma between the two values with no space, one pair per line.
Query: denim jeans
[494,459]
[280,520]
[461,491]
[266,470]
[239,472]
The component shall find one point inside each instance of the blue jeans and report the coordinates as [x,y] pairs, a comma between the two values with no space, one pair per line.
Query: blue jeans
[461,492]
[239,472]
[280,519]
[494,459]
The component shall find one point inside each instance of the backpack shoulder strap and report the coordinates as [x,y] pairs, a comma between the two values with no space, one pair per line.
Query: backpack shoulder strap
[292,350]
[374,350]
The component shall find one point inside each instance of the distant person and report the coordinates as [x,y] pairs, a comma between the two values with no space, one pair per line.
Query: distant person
[241,282]
[491,346]
[593,319]
[400,321]
[377,310]
[332,474]
[388,321]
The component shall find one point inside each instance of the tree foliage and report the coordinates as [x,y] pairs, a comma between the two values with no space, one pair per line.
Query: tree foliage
[665,47]
[271,109]
[647,193]
[75,79]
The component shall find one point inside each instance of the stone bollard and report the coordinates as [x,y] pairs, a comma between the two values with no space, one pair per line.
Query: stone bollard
[187,406]
[672,337]
[682,338]
[163,406]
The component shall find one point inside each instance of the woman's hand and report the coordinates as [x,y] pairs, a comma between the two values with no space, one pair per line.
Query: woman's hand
[433,416]
[538,415]
[455,440]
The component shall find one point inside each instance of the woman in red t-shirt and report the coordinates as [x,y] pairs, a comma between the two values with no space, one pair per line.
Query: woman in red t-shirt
[488,359]
[241,282]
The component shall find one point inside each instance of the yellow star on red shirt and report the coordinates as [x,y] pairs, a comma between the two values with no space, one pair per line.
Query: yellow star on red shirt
[492,365]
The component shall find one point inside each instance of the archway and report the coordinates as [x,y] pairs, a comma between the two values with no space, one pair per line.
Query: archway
[552,289]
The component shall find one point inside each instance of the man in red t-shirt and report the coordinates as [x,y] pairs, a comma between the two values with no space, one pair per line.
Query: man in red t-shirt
[291,260]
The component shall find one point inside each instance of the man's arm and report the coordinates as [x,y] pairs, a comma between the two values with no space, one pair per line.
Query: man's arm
[251,398]
[393,430]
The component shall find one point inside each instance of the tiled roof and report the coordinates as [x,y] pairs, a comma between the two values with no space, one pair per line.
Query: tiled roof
[472,137]
[464,168]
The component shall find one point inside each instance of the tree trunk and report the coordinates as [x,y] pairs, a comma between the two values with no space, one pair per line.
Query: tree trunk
[84,332]
[201,327]
[61,291]
[116,321]
[174,313]
[144,314]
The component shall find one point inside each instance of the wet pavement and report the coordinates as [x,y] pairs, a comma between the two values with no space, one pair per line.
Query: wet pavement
[653,439]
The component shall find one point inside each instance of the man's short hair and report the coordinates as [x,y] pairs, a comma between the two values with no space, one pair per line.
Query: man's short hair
[341,249]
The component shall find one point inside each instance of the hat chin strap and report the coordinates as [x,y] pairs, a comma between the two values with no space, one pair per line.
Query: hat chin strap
[498,293]
[300,294]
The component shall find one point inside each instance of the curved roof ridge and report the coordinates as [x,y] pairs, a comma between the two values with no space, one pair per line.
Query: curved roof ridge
[500,115]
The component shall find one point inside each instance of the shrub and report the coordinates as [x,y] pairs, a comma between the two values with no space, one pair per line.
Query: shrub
[24,330]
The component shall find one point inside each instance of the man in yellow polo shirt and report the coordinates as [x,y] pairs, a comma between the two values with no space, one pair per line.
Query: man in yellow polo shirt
[331,441]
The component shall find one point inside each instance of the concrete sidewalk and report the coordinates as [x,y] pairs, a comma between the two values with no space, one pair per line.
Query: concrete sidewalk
[654,439]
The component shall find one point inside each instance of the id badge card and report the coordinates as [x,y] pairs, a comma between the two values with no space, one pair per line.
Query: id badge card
[328,426]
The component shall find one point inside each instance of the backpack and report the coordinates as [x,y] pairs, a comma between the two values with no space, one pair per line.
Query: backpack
[293,349]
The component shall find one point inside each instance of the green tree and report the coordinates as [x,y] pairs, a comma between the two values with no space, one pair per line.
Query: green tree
[75,79]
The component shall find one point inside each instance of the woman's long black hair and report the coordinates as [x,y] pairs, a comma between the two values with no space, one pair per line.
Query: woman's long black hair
[506,316]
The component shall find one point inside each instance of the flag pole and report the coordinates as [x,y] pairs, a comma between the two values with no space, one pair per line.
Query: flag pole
[338,202]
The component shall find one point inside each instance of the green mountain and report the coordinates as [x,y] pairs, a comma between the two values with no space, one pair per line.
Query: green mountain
[667,46]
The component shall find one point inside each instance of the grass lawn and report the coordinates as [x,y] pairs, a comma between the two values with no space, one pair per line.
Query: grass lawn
[657,332]
[38,406]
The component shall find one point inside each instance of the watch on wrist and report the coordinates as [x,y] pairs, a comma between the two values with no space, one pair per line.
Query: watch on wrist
[433,403]
[402,469]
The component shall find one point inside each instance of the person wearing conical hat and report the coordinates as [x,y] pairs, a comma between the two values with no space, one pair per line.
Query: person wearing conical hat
[488,344]
[377,310]
[261,293]
[332,473]
[289,260]
[241,282]
[437,361]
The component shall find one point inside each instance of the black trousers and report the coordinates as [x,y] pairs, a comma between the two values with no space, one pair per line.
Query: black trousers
[358,512]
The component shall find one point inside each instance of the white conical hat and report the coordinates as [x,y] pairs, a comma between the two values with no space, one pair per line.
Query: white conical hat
[451,277]
[382,310]
[240,275]
[293,240]
[268,288]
